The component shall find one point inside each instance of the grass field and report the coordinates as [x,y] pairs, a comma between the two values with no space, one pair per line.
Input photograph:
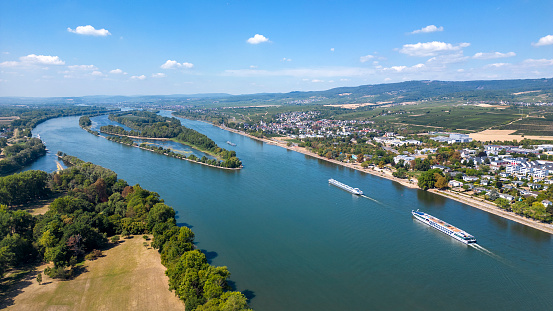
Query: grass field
[531,126]
[129,277]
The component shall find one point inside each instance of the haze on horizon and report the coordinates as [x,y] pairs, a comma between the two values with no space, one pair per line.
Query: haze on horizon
[60,48]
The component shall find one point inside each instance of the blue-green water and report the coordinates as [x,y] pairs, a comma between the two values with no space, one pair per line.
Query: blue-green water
[293,242]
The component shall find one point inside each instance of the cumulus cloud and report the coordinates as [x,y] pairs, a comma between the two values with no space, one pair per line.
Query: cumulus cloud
[365,58]
[493,55]
[117,72]
[496,65]
[159,75]
[257,39]
[431,48]
[173,64]
[141,77]
[41,59]
[331,49]
[427,29]
[33,59]
[89,31]
[547,40]
[97,73]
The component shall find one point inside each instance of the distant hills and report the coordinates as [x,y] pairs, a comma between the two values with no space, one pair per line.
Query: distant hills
[489,90]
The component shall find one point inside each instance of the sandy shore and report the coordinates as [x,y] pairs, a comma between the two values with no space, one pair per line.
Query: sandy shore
[474,202]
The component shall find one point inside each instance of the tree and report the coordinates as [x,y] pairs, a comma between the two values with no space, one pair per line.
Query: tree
[39,278]
[441,183]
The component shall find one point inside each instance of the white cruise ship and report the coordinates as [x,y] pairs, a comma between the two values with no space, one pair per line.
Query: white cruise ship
[345,187]
[444,227]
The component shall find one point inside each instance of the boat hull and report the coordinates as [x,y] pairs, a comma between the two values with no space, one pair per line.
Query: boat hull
[345,187]
[446,228]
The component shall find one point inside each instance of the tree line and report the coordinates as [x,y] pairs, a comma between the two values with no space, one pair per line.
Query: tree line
[150,125]
[99,205]
[21,154]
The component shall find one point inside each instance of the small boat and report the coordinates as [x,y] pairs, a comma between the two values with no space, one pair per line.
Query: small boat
[231,143]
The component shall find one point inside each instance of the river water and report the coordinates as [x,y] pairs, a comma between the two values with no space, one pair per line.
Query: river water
[293,242]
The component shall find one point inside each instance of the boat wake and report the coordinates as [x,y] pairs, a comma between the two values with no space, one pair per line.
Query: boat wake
[371,199]
[489,253]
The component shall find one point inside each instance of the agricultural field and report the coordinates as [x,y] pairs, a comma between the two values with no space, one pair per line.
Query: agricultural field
[531,126]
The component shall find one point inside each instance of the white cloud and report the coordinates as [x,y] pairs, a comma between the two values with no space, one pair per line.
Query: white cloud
[97,73]
[173,64]
[141,77]
[286,59]
[365,58]
[442,60]
[331,49]
[117,71]
[41,59]
[496,65]
[547,40]
[387,79]
[82,67]
[253,66]
[257,39]
[9,64]
[317,81]
[89,31]
[159,75]
[429,28]
[431,48]
[493,55]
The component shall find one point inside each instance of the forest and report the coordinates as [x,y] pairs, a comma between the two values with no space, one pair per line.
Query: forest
[94,205]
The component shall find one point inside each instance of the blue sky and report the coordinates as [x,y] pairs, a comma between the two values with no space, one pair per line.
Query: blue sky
[75,48]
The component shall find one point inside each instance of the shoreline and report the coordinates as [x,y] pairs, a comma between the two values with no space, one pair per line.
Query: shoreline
[482,205]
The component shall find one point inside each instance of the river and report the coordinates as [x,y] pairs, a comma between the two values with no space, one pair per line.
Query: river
[293,242]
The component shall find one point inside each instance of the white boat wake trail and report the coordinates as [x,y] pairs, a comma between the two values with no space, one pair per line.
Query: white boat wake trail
[371,199]
[489,253]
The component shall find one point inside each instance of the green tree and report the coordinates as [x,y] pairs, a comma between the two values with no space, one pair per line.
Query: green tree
[39,278]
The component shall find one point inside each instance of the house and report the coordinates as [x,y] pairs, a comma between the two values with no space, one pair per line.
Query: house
[470,178]
[440,167]
[405,158]
[546,203]
[507,197]
[455,184]
[484,182]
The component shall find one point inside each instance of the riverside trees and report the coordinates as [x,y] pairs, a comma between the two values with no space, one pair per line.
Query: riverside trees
[150,125]
[98,205]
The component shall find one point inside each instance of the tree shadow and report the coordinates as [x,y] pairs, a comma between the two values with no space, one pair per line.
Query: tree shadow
[249,294]
[209,255]
[13,285]
[183,224]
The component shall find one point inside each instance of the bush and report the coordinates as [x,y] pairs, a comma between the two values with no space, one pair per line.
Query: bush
[93,255]
[146,237]
[115,239]
[58,273]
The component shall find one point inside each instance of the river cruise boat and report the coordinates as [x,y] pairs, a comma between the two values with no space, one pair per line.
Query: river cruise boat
[444,227]
[345,187]
[231,143]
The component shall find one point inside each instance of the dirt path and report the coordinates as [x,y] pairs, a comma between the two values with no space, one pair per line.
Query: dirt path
[129,277]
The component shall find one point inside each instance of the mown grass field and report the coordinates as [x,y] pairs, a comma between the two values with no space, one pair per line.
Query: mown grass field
[129,277]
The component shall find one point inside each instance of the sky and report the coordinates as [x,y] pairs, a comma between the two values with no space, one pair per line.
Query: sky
[78,48]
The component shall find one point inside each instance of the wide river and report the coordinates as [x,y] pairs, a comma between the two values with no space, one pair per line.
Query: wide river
[293,242]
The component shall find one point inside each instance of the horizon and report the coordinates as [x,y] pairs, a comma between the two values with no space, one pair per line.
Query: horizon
[206,95]
[60,49]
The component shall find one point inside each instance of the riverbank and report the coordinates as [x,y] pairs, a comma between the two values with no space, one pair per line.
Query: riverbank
[474,202]
[493,209]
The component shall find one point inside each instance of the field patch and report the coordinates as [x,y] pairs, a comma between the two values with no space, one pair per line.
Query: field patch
[129,277]
[503,135]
